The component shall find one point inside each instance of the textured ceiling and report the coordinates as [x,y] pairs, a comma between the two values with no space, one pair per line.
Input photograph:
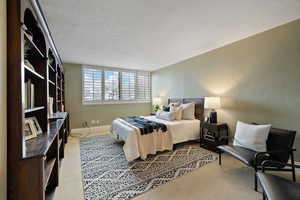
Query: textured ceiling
[150,34]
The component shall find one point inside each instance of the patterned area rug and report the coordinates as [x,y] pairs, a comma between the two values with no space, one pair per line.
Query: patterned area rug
[107,175]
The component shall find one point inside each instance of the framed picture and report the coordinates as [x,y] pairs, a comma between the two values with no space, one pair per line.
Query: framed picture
[36,125]
[29,129]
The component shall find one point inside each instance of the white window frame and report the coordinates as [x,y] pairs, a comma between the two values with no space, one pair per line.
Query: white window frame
[103,101]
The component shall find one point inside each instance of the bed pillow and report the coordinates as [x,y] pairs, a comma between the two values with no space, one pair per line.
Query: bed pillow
[175,107]
[188,111]
[251,136]
[169,116]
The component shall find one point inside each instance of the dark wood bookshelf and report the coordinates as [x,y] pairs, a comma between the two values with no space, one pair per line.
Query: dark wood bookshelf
[35,65]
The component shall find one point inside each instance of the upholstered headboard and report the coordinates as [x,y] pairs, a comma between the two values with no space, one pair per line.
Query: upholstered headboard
[199,105]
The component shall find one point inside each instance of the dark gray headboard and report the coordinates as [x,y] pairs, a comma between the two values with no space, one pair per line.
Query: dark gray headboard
[199,105]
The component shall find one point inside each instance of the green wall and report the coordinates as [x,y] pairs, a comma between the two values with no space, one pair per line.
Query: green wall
[3,66]
[105,113]
[258,79]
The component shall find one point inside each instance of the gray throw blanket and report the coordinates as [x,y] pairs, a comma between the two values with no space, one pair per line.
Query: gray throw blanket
[146,126]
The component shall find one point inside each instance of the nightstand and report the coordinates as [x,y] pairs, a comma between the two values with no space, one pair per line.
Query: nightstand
[211,135]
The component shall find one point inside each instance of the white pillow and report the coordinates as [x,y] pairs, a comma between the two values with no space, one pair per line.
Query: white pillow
[169,116]
[250,136]
[188,111]
[175,107]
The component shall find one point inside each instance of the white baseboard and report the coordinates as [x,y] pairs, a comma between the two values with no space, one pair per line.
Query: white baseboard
[297,168]
[95,129]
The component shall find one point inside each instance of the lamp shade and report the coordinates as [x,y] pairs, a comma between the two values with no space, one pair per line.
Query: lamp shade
[212,102]
[156,101]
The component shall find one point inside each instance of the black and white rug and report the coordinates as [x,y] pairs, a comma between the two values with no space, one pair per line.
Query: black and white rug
[107,175]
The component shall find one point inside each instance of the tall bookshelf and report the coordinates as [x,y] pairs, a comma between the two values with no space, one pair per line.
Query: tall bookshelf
[35,79]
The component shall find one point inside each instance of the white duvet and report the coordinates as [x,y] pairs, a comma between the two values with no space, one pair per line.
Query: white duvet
[139,146]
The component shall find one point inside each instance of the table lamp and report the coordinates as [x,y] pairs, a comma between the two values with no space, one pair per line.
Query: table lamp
[156,103]
[212,103]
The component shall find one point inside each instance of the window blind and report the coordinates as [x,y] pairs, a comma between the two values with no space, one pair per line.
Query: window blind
[109,85]
[143,86]
[128,86]
[92,85]
[111,82]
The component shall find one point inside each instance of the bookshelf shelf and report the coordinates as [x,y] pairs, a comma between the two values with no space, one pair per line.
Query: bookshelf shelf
[59,115]
[39,146]
[29,110]
[33,44]
[33,74]
[52,83]
[50,67]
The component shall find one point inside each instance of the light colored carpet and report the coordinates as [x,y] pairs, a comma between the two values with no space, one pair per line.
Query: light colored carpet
[231,181]
[106,174]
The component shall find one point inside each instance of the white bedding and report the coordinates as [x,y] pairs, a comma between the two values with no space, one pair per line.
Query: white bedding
[180,130]
[140,146]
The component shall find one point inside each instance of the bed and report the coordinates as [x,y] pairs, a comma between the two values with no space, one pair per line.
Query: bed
[140,146]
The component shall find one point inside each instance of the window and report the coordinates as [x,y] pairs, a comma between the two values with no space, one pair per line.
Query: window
[92,85]
[143,86]
[108,85]
[111,85]
[128,85]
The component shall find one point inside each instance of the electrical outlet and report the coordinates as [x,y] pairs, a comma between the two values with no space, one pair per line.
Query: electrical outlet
[93,122]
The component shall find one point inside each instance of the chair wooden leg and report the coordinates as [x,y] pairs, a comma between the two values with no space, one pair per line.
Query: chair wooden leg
[220,158]
[264,196]
[255,179]
[294,175]
[293,167]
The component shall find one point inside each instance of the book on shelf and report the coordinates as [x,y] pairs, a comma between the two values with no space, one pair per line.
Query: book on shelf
[51,100]
[29,65]
[29,94]
[32,95]
[29,34]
